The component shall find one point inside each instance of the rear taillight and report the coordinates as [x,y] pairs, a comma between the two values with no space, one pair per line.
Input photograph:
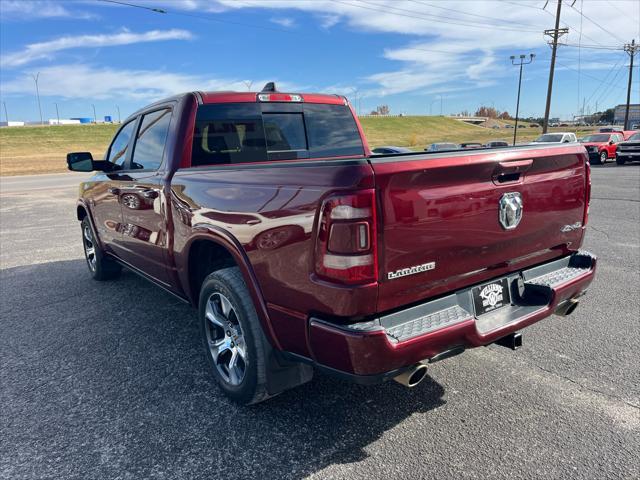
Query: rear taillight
[587,193]
[346,249]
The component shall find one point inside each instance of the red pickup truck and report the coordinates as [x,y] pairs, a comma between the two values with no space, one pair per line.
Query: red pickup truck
[602,146]
[303,251]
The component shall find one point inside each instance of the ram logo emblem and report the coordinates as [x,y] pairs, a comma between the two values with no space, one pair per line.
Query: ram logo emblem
[510,212]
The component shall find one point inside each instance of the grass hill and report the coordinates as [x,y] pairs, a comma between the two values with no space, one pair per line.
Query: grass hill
[43,149]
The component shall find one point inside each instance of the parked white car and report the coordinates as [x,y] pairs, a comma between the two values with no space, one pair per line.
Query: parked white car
[556,137]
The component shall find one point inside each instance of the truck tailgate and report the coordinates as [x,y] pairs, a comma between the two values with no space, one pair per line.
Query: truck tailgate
[440,227]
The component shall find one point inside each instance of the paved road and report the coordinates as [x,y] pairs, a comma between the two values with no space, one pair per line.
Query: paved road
[109,380]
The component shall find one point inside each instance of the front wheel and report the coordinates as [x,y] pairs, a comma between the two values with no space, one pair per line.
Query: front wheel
[233,337]
[100,266]
[604,156]
[620,160]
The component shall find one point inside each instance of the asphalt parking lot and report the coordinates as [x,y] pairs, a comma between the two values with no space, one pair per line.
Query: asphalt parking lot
[109,380]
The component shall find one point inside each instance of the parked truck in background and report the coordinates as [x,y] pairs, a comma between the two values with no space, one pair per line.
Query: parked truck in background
[303,251]
[601,146]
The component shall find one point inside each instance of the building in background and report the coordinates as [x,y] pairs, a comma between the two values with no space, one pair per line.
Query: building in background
[634,113]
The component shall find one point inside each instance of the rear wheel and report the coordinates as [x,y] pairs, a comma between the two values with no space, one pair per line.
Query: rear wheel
[604,156]
[233,337]
[100,266]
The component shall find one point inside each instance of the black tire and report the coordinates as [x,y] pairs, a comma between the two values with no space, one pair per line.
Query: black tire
[100,265]
[620,161]
[241,331]
[604,156]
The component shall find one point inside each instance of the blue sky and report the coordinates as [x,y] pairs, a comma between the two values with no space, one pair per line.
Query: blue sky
[404,53]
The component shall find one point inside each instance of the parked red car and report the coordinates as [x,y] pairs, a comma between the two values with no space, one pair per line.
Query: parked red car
[602,146]
[302,250]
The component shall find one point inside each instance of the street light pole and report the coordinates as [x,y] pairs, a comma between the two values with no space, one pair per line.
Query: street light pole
[118,108]
[35,79]
[520,64]
[431,107]
[57,113]
[95,119]
[5,112]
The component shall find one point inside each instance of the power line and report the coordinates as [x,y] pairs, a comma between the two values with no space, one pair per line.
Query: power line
[607,90]
[596,24]
[422,16]
[592,47]
[602,82]
[157,10]
[200,17]
[465,13]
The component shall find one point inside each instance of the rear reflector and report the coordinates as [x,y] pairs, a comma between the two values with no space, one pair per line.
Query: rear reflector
[279,97]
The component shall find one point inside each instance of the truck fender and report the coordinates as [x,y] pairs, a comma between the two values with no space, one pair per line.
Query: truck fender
[226,240]
[81,204]
[282,373]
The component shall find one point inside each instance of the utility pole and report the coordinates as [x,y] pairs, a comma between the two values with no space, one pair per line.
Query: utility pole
[440,104]
[95,119]
[520,64]
[555,34]
[35,79]
[118,108]
[5,112]
[248,83]
[355,99]
[631,49]
[57,113]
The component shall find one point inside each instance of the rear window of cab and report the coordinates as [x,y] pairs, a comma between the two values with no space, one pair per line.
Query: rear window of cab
[257,132]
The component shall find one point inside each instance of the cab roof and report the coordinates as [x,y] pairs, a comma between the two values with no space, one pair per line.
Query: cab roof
[248,97]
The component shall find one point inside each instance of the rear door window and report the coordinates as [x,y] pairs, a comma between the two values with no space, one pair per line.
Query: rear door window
[228,133]
[255,132]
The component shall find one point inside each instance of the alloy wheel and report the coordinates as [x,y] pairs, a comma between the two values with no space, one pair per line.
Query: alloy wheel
[603,157]
[89,247]
[225,339]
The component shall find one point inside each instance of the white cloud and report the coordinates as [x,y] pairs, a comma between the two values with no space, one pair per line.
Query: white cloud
[459,30]
[284,22]
[39,51]
[328,21]
[29,10]
[85,81]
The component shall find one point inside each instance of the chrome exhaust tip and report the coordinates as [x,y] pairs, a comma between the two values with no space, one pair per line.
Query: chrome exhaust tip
[567,308]
[412,376]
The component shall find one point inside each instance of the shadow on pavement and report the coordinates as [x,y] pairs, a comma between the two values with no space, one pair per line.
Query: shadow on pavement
[110,380]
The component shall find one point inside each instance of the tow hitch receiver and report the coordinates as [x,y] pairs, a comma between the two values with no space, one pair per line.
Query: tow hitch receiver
[512,341]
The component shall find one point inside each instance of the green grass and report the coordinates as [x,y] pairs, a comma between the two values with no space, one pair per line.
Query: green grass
[30,150]
[43,149]
[418,132]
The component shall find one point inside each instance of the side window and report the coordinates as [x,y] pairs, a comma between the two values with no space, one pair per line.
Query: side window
[120,144]
[228,133]
[332,131]
[150,141]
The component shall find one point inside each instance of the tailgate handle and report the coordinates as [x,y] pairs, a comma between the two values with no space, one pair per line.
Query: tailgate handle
[507,172]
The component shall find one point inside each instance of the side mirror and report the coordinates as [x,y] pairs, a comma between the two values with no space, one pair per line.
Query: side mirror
[611,142]
[80,162]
